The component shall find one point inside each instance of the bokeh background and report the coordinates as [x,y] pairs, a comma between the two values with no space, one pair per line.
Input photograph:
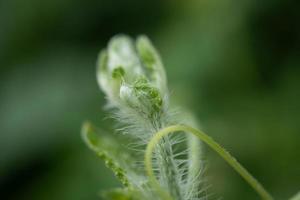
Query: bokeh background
[235,64]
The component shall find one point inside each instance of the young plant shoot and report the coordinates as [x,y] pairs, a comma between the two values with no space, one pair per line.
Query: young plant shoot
[152,153]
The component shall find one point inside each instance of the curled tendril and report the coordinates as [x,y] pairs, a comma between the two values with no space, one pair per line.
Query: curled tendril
[210,142]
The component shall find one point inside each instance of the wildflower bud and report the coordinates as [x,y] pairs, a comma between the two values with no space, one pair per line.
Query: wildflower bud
[149,94]
[133,75]
[142,97]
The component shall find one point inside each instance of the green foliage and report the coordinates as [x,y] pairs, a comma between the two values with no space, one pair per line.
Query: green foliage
[109,151]
[116,158]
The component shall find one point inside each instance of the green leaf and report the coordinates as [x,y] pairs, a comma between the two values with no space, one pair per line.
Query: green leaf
[296,197]
[110,151]
[151,60]
[122,53]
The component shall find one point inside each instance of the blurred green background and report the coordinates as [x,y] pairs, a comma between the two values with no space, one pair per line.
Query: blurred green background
[235,64]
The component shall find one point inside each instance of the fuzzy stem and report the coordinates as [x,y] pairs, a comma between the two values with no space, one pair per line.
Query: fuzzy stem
[168,168]
[195,165]
[210,142]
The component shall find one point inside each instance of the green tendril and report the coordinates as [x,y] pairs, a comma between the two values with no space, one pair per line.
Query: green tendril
[210,142]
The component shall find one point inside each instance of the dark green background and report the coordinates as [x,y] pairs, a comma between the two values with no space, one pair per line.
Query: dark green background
[235,64]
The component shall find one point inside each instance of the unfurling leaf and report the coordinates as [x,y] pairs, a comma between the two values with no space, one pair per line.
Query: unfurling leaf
[109,151]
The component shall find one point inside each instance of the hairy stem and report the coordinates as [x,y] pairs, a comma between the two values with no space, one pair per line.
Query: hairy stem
[168,168]
[210,142]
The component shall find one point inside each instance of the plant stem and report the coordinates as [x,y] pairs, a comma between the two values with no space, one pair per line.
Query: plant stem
[210,142]
[168,168]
